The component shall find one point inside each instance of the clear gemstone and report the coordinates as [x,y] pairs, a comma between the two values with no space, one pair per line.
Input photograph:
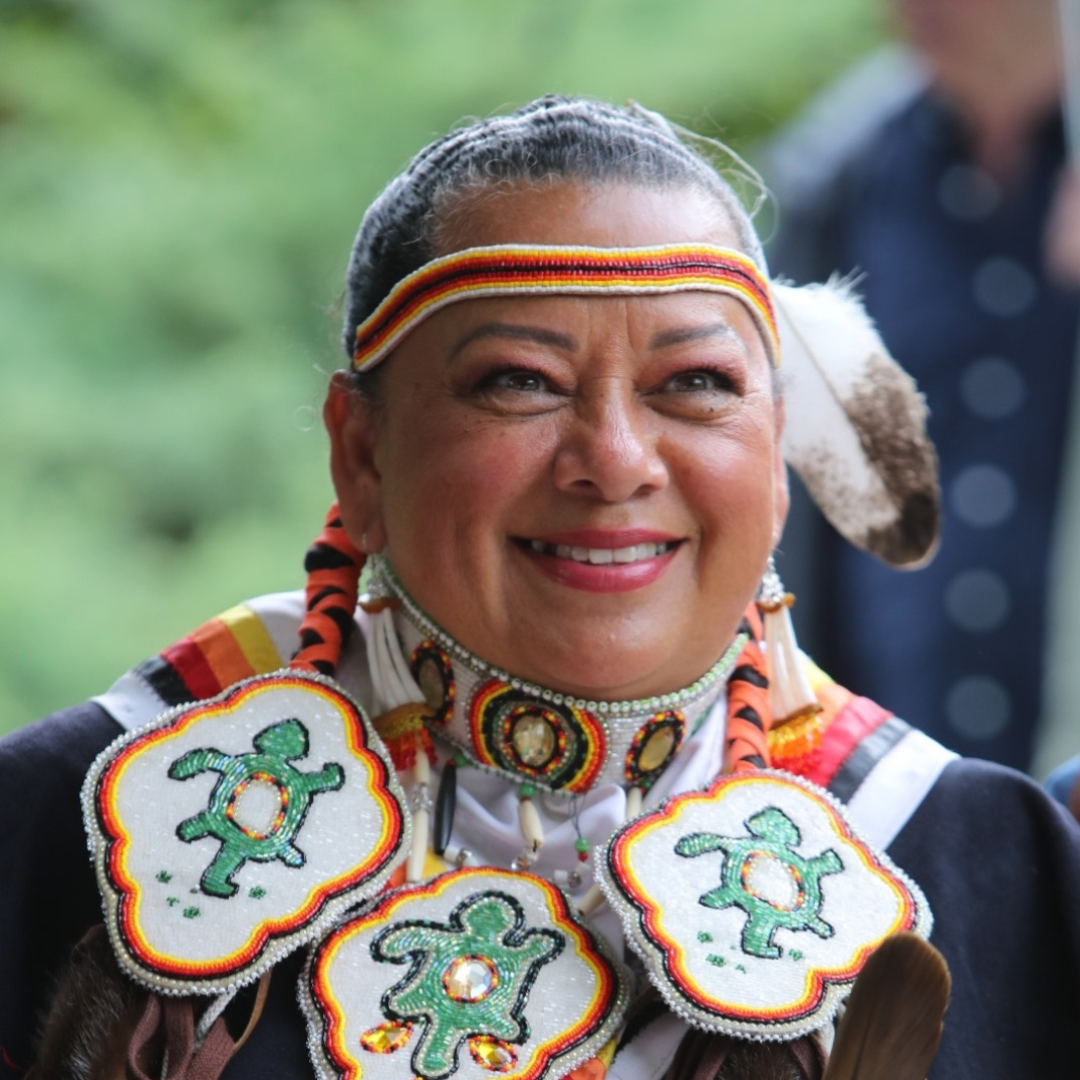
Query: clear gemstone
[257,806]
[657,749]
[534,739]
[771,880]
[431,684]
[470,978]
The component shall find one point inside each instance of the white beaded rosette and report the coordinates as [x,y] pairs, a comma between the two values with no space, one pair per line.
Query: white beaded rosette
[754,904]
[476,972]
[230,832]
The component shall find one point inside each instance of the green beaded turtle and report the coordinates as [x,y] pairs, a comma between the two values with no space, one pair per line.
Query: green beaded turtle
[275,747]
[770,847]
[468,976]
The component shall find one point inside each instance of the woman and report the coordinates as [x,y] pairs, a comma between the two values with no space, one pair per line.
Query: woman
[559,444]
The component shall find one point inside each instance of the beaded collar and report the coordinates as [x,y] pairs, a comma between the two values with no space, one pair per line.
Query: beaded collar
[539,736]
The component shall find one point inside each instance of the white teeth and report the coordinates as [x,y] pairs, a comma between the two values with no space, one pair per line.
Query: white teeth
[600,556]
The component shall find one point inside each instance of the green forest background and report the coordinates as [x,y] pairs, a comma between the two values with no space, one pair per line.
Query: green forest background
[179,186]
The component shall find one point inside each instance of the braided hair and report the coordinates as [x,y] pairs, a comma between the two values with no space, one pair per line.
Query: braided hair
[548,140]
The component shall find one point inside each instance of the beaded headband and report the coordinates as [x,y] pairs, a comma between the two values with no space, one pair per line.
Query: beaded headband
[528,270]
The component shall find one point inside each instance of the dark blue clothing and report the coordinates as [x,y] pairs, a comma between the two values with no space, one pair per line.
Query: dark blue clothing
[951,269]
[1062,780]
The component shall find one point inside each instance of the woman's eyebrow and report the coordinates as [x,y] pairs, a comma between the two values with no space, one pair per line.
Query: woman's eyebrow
[690,333]
[536,334]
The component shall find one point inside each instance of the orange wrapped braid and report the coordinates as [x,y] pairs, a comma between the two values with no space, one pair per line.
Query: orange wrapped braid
[746,739]
[333,568]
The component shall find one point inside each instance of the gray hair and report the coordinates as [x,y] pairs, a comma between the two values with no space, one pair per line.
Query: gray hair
[548,140]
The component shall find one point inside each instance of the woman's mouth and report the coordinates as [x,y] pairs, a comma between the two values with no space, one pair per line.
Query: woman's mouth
[622,564]
[602,556]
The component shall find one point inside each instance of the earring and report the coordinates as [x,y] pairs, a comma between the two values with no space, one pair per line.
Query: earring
[796,725]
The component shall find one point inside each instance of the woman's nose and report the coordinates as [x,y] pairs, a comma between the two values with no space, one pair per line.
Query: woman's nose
[610,449]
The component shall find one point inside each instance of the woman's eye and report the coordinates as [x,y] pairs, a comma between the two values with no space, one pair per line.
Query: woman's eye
[699,382]
[523,382]
[517,390]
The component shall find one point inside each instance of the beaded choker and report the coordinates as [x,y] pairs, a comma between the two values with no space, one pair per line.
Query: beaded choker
[531,269]
[535,735]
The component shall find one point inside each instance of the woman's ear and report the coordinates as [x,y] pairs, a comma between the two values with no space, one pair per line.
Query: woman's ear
[351,423]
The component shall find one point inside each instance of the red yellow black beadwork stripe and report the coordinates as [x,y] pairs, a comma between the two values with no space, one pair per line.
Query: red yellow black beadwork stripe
[524,269]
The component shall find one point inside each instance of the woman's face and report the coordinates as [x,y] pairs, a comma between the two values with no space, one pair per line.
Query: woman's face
[582,490]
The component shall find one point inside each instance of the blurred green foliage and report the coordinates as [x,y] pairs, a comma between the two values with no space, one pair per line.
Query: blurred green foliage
[179,184]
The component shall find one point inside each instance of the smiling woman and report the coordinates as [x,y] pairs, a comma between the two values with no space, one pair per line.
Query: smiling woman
[554,728]
[602,460]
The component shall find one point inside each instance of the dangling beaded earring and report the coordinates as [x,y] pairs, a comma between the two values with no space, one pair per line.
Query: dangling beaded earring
[401,724]
[796,729]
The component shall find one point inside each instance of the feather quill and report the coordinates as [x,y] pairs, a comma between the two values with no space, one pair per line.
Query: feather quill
[855,429]
[892,1025]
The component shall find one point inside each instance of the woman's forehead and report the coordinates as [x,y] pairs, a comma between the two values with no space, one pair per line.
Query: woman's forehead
[668,318]
[574,213]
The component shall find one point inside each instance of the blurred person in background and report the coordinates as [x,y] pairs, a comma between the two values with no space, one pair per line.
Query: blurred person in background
[936,174]
[560,453]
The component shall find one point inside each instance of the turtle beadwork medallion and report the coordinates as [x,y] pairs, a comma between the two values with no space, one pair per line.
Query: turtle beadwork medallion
[478,971]
[229,832]
[234,821]
[755,904]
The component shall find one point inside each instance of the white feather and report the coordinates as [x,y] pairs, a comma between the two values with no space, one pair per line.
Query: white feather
[855,427]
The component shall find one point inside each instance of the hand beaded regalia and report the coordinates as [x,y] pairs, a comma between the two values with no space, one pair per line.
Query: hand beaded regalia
[276,815]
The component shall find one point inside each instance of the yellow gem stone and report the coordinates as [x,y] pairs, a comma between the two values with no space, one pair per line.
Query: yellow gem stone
[533,739]
[657,749]
[385,1038]
[491,1053]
